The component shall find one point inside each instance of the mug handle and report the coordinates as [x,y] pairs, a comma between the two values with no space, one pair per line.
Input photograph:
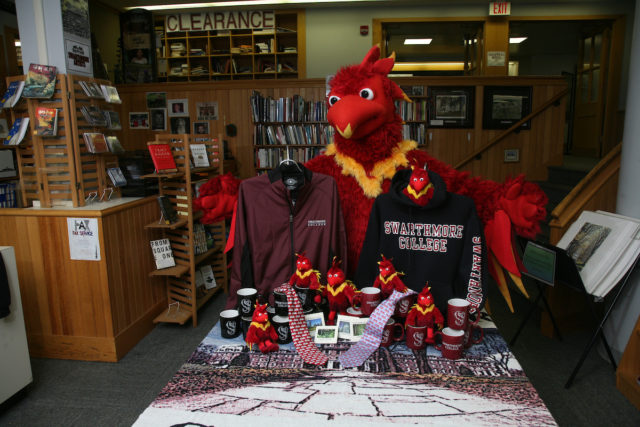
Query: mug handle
[357,301]
[477,327]
[438,346]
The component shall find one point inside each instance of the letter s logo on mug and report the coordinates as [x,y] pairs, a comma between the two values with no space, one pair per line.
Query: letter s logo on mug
[460,318]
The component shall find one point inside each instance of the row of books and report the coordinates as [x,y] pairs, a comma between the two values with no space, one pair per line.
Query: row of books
[271,157]
[163,159]
[415,111]
[99,143]
[414,132]
[106,92]
[306,134]
[293,109]
[102,118]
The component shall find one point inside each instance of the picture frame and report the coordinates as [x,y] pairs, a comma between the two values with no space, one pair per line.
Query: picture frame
[344,326]
[358,325]
[139,120]
[156,100]
[201,128]
[158,119]
[179,125]
[451,106]
[207,110]
[314,320]
[326,335]
[178,107]
[504,106]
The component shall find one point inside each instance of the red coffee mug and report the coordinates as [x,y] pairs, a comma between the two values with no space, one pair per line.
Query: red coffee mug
[452,343]
[470,336]
[416,337]
[404,305]
[458,313]
[367,300]
[393,332]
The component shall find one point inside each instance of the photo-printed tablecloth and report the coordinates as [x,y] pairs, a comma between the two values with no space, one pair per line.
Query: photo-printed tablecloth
[223,380]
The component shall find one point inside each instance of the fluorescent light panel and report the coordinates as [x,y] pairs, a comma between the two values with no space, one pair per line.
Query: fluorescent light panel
[232,4]
[417,41]
[516,40]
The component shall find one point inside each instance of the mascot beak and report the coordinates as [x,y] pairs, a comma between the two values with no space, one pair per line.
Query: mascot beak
[354,117]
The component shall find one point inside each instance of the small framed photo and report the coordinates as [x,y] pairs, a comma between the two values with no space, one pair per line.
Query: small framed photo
[451,107]
[158,118]
[156,100]
[326,335]
[207,110]
[358,325]
[344,326]
[201,128]
[139,120]
[504,106]
[178,107]
[313,321]
[179,124]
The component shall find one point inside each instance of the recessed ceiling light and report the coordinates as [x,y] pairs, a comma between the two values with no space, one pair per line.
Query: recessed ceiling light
[17,43]
[417,41]
[515,40]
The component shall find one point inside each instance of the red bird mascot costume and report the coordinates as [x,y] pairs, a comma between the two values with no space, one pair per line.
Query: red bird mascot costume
[425,313]
[389,279]
[339,292]
[217,198]
[368,149]
[261,331]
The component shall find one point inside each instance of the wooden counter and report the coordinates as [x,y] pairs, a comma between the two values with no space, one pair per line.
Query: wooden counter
[86,310]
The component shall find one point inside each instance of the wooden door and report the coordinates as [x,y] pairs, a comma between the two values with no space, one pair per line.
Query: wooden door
[591,97]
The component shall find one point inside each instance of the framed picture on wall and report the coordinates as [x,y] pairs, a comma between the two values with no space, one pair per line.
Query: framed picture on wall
[451,107]
[504,106]
[178,107]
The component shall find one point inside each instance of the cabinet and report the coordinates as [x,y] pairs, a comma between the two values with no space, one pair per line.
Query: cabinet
[628,373]
[287,128]
[183,295]
[271,53]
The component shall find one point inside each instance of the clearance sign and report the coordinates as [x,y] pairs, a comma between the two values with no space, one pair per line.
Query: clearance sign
[235,20]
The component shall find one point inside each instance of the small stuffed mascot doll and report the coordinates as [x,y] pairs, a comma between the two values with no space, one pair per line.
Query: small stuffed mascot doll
[420,189]
[305,276]
[339,292]
[425,313]
[261,331]
[389,279]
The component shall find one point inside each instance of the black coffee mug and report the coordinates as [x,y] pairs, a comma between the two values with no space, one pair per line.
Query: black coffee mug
[230,324]
[280,303]
[304,295]
[247,300]
[281,325]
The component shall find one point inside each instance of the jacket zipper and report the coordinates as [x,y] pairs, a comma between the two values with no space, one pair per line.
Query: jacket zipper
[293,251]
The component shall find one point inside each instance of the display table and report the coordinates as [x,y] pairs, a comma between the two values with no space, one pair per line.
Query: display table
[222,381]
[88,309]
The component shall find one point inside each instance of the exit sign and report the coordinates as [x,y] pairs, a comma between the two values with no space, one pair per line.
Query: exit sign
[499,8]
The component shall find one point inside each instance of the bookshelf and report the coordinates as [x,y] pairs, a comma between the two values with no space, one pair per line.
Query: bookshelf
[414,114]
[243,54]
[287,127]
[184,298]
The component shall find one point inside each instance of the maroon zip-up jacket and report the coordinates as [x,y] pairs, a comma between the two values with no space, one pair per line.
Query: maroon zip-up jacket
[270,230]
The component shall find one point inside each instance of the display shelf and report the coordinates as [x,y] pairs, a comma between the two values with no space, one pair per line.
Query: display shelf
[179,188]
[160,225]
[239,54]
[174,315]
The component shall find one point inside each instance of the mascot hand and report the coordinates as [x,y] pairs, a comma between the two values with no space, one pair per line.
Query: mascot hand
[525,208]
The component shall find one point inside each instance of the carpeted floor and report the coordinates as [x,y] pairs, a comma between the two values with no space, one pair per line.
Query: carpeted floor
[73,393]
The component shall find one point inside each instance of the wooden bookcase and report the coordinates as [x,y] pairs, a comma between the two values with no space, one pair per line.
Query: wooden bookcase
[287,127]
[58,171]
[628,373]
[184,299]
[233,54]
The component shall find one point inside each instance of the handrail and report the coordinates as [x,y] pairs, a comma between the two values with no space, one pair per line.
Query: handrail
[608,166]
[507,132]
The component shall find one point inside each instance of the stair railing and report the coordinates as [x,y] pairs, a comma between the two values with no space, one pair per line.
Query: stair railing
[554,100]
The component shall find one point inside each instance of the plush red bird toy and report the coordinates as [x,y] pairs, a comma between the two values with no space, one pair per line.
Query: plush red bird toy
[389,279]
[305,276]
[261,331]
[339,292]
[420,188]
[425,313]
[368,149]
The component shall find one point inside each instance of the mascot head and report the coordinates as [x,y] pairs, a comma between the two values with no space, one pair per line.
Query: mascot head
[386,267]
[425,299]
[260,314]
[335,275]
[302,263]
[361,97]
[419,189]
